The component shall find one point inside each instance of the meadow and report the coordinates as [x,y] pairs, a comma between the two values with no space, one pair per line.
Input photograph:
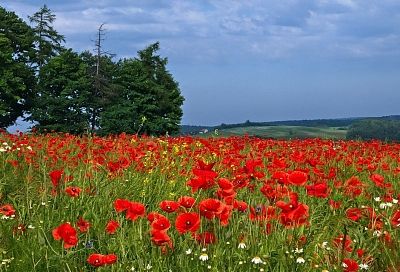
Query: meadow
[129,203]
[286,132]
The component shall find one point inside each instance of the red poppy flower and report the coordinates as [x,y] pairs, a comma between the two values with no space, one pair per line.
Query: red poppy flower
[319,189]
[187,222]
[360,252]
[73,191]
[204,177]
[349,265]
[101,260]
[281,176]
[226,194]
[225,214]
[110,259]
[112,226]
[225,184]
[298,178]
[169,206]
[83,225]
[153,216]
[201,182]
[161,223]
[66,233]
[121,205]
[95,259]
[274,192]
[187,201]
[55,177]
[205,174]
[334,204]
[353,187]
[7,210]
[293,213]
[353,214]
[395,220]
[135,210]
[378,180]
[210,207]
[160,237]
[295,217]
[241,206]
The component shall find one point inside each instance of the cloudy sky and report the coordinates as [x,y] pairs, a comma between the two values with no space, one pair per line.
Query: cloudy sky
[258,60]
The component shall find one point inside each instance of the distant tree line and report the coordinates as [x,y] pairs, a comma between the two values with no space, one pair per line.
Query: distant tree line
[306,123]
[65,91]
[380,129]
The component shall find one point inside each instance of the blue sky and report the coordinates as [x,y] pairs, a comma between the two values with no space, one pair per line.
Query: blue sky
[253,60]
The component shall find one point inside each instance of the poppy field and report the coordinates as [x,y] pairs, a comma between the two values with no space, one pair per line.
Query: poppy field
[129,203]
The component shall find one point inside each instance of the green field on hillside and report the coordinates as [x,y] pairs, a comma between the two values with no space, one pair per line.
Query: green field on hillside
[286,132]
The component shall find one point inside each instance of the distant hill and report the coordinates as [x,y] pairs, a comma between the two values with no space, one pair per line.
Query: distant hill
[193,130]
[337,123]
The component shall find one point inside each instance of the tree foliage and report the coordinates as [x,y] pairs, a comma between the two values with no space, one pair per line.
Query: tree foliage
[47,40]
[64,91]
[103,91]
[62,96]
[17,80]
[369,129]
[149,100]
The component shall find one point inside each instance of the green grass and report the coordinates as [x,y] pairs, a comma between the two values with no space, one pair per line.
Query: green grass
[286,132]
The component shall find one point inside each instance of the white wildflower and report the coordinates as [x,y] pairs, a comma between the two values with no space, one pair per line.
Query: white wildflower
[203,257]
[30,227]
[364,266]
[188,252]
[242,245]
[377,199]
[298,250]
[300,260]
[149,266]
[257,260]
[395,201]
[385,205]
[377,233]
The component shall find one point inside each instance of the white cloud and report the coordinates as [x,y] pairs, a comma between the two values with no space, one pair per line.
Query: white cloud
[264,29]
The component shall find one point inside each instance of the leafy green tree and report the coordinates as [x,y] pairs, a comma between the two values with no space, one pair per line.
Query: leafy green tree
[149,99]
[47,39]
[62,94]
[369,129]
[103,92]
[17,80]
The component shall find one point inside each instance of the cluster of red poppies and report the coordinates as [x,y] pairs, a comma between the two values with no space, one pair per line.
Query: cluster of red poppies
[287,175]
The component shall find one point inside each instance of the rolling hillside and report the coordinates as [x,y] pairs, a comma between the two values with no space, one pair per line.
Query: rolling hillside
[284,132]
